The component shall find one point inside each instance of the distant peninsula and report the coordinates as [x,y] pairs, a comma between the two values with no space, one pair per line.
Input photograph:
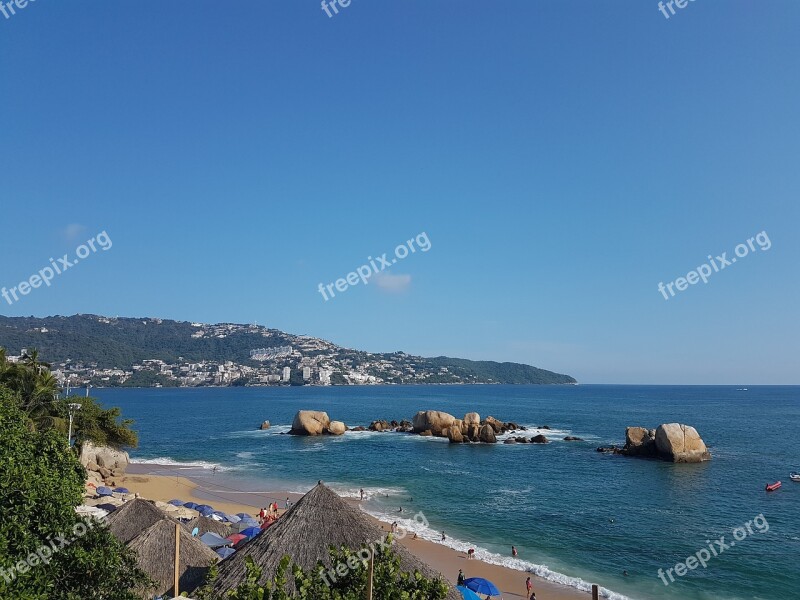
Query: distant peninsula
[90,350]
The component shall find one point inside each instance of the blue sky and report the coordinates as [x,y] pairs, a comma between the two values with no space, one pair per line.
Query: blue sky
[563,158]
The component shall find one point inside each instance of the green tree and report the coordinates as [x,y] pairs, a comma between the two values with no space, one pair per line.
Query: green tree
[37,392]
[41,483]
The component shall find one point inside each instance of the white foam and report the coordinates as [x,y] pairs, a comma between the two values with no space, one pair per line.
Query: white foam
[543,571]
[166,461]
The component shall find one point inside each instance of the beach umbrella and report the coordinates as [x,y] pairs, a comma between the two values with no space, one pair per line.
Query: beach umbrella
[217,516]
[251,532]
[225,552]
[233,519]
[467,593]
[236,538]
[482,586]
[200,507]
[243,516]
[192,505]
[108,507]
[206,512]
[104,491]
[213,540]
[121,490]
[177,503]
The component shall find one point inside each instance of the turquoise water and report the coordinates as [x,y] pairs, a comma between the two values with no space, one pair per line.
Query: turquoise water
[575,515]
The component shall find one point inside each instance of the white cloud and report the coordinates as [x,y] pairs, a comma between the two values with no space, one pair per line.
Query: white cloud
[393,284]
[72,231]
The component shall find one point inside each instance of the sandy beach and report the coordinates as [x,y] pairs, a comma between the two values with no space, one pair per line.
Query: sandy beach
[446,560]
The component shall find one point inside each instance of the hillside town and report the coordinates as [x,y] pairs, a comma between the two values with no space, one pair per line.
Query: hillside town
[304,361]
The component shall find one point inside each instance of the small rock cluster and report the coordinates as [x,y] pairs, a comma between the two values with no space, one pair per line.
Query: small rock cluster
[672,442]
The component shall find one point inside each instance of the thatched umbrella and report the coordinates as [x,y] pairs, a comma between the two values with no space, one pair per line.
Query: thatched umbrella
[133,518]
[305,533]
[204,524]
[155,551]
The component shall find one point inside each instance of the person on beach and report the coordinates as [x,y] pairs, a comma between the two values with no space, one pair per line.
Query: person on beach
[528,586]
[471,553]
[444,537]
[460,577]
[513,551]
[362,494]
[286,506]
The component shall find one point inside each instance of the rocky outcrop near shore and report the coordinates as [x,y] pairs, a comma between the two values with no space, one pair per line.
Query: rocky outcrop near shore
[103,464]
[681,444]
[672,442]
[434,421]
[310,422]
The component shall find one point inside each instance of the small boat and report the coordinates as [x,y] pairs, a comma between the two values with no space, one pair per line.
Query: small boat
[795,477]
[771,487]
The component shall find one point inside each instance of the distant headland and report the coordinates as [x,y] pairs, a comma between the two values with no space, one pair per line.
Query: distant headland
[91,350]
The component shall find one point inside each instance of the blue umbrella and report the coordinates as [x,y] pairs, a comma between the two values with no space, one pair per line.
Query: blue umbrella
[206,512]
[192,505]
[104,491]
[233,519]
[213,540]
[108,507]
[121,490]
[251,532]
[200,507]
[243,516]
[176,503]
[467,593]
[226,552]
[482,586]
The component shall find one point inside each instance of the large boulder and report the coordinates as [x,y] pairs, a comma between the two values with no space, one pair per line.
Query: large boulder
[380,426]
[265,425]
[337,428]
[310,422]
[498,426]
[472,418]
[487,435]
[538,439]
[473,433]
[680,443]
[103,456]
[455,436]
[434,420]
[640,441]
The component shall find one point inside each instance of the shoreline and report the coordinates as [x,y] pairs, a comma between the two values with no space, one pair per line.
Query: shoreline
[159,482]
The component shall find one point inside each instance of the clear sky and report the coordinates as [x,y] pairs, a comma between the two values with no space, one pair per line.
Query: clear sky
[563,158]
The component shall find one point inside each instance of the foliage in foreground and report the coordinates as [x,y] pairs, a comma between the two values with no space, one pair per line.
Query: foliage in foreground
[389,581]
[36,390]
[41,483]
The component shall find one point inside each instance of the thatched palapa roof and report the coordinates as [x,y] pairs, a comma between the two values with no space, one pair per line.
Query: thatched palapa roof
[306,532]
[204,524]
[155,551]
[132,518]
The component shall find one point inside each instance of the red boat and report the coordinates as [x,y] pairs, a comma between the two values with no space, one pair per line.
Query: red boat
[771,487]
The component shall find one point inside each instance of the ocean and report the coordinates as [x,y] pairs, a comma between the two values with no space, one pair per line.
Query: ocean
[575,515]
